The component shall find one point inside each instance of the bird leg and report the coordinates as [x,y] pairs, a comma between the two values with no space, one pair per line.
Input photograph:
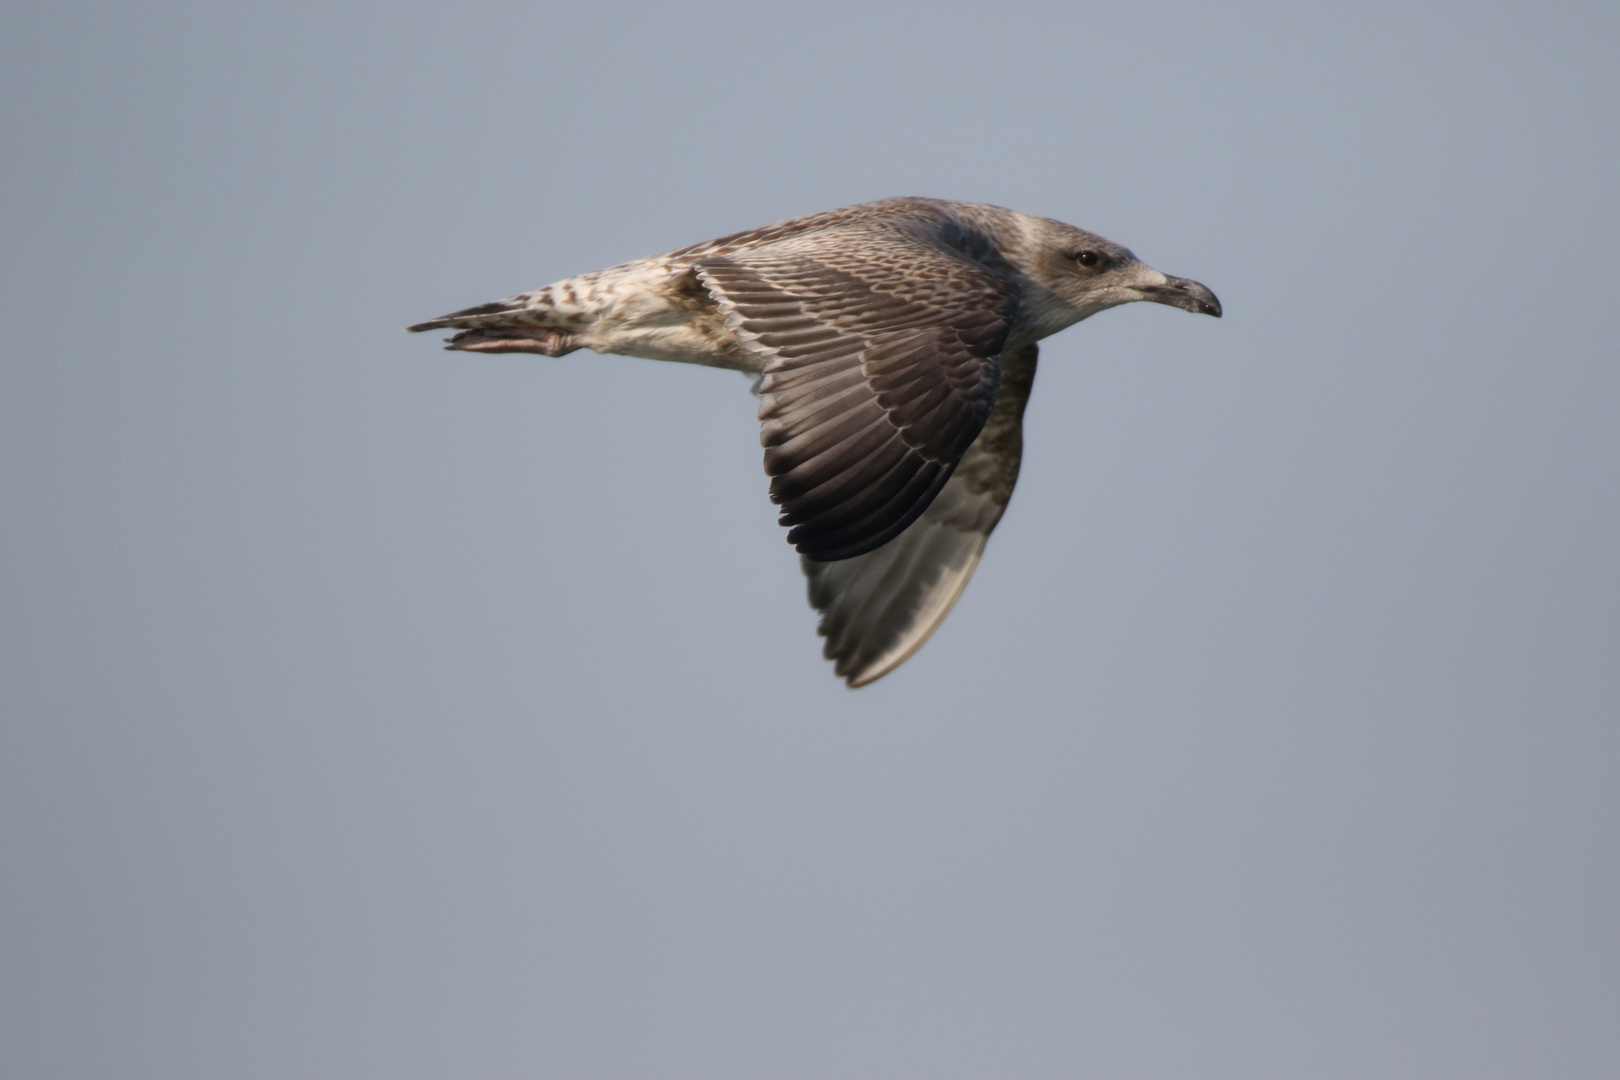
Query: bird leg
[504,339]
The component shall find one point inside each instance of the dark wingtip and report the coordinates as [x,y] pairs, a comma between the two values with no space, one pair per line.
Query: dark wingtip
[850,541]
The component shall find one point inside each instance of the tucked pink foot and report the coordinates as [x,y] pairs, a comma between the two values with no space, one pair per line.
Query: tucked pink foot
[514,339]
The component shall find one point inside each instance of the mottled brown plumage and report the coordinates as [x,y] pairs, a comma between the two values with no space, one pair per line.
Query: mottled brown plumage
[894,344]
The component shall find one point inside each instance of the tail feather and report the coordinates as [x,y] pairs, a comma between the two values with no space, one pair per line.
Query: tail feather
[515,324]
[490,314]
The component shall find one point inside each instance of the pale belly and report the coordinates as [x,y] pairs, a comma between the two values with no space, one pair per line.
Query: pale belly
[680,338]
[658,312]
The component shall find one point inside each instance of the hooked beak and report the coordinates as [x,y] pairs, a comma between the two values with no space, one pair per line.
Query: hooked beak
[1184,293]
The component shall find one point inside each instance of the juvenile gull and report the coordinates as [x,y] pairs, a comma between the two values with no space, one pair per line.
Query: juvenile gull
[894,345]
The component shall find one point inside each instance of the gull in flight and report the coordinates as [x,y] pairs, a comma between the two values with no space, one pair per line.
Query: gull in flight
[894,347]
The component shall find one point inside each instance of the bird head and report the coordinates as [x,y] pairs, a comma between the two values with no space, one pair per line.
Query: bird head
[1083,273]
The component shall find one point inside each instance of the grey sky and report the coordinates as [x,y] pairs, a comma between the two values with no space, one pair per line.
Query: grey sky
[377,712]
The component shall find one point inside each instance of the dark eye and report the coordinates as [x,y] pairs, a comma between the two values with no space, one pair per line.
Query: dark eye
[1087,258]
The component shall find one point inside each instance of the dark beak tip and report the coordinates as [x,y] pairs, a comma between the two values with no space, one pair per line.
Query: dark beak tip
[1186,294]
[1205,301]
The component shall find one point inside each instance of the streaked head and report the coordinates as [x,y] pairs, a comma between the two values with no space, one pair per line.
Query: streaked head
[1088,273]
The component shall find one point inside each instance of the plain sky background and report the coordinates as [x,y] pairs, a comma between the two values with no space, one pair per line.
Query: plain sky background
[377,712]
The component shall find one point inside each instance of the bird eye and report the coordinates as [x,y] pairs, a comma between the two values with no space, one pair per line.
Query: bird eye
[1087,258]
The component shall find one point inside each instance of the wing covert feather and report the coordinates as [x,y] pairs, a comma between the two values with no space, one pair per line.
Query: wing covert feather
[882,362]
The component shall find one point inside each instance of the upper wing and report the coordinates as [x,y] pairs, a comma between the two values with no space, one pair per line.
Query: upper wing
[882,359]
[879,608]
